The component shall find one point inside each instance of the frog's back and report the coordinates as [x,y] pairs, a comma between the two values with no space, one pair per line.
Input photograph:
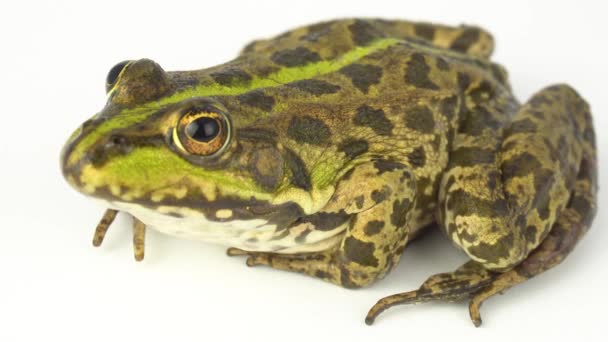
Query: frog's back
[333,38]
[336,94]
[356,89]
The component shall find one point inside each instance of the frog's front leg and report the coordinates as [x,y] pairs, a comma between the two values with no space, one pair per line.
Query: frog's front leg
[139,233]
[538,200]
[378,195]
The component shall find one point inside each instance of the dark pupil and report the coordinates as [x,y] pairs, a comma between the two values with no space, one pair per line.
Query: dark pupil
[203,129]
[114,72]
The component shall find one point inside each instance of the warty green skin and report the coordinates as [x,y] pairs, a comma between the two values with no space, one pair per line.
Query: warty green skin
[347,138]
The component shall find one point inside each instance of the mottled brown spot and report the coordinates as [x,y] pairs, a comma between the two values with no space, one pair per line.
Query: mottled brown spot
[360,252]
[384,165]
[525,164]
[317,31]
[322,274]
[359,200]
[353,148]
[373,227]
[417,73]
[476,121]
[492,253]
[442,64]
[539,100]
[499,73]
[471,156]
[483,92]
[362,75]
[420,118]
[380,195]
[315,87]
[464,81]
[399,213]
[346,280]
[266,166]
[231,76]
[373,118]
[363,33]
[467,38]
[299,174]
[307,129]
[465,204]
[530,234]
[417,157]
[493,179]
[324,221]
[522,126]
[448,106]
[520,223]
[257,98]
[583,207]
[424,31]
[295,57]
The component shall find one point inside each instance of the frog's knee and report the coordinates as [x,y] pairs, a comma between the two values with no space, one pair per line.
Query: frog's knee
[360,268]
[562,98]
[355,279]
[497,252]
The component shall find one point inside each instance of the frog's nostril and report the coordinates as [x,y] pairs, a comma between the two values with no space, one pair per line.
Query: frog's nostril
[117,140]
[116,144]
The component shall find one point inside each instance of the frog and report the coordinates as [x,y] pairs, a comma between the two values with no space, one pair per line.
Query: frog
[327,149]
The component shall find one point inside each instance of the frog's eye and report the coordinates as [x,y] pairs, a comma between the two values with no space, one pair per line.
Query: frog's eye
[114,73]
[202,133]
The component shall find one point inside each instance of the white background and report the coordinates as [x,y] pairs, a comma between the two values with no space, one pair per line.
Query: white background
[55,286]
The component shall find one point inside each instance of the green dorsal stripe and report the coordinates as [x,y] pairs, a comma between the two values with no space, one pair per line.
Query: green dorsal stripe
[132,116]
[283,76]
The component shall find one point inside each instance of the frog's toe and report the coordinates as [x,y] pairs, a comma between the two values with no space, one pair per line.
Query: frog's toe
[253,258]
[103,225]
[451,287]
[139,233]
[258,259]
[233,251]
[474,306]
[139,237]
[411,297]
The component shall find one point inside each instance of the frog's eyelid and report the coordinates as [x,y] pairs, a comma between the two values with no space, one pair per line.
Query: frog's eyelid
[118,77]
[176,140]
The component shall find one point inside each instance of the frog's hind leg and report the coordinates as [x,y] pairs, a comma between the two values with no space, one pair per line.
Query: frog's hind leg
[473,281]
[538,203]
[451,286]
[569,228]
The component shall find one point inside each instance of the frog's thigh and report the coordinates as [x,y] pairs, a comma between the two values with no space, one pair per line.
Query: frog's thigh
[571,224]
[500,202]
[557,241]
[379,195]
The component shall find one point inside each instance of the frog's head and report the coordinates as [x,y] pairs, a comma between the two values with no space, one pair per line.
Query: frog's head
[156,148]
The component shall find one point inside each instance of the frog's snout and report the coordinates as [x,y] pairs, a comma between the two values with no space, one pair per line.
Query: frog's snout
[73,158]
[113,145]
